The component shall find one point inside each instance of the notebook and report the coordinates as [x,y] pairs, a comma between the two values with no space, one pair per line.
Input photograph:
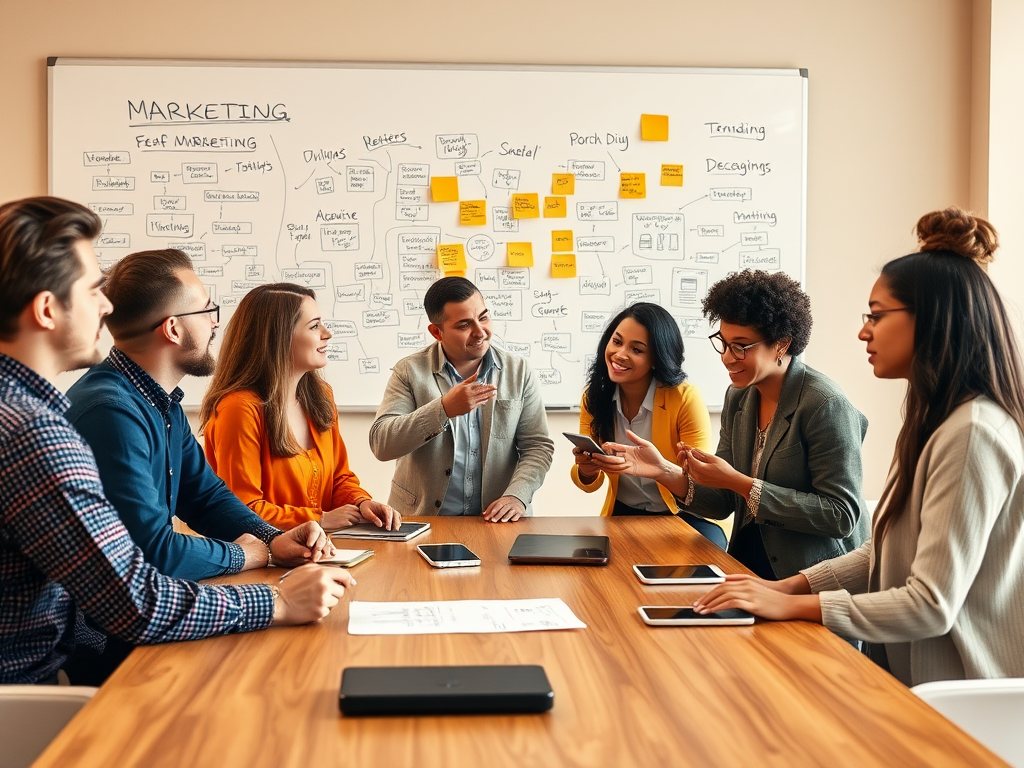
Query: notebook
[560,549]
[445,690]
[370,531]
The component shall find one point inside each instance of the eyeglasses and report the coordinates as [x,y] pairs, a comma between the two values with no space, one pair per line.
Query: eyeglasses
[739,351]
[872,318]
[214,310]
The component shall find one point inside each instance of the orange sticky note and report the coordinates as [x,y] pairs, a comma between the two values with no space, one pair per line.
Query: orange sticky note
[473,213]
[451,257]
[563,184]
[632,185]
[671,175]
[563,265]
[519,254]
[525,206]
[444,189]
[654,127]
[561,240]
[554,207]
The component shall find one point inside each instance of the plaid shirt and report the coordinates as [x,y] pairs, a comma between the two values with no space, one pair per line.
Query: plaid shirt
[64,554]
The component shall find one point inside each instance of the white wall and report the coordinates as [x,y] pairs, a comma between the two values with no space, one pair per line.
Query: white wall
[890,126]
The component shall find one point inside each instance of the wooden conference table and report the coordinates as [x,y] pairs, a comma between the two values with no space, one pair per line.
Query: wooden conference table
[626,694]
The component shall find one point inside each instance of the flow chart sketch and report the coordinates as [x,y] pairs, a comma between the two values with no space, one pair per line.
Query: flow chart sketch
[460,617]
[564,194]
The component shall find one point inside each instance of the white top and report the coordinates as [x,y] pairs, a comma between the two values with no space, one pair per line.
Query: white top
[638,492]
[943,588]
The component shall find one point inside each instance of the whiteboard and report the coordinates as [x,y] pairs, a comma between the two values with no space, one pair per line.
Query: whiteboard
[330,175]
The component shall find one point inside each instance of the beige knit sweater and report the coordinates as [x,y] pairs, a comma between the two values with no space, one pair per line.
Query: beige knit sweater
[943,589]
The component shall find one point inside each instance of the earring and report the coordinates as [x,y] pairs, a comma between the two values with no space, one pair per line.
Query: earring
[778,360]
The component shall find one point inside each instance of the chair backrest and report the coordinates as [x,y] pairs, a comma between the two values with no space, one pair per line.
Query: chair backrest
[991,711]
[32,715]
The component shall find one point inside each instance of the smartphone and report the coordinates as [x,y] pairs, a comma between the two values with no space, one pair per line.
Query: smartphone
[585,442]
[681,616]
[679,574]
[448,555]
[347,557]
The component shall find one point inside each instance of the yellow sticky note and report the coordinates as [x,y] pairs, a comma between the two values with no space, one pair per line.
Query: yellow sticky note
[563,265]
[444,189]
[519,254]
[525,206]
[554,207]
[671,175]
[654,127]
[563,184]
[561,240]
[451,257]
[632,185]
[473,213]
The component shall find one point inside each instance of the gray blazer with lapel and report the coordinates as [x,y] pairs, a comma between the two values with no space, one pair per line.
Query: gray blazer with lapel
[811,506]
[410,427]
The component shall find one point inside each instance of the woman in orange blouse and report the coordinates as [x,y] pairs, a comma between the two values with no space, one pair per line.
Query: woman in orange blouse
[270,423]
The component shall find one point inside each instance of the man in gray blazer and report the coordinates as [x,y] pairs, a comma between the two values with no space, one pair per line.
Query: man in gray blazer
[464,419]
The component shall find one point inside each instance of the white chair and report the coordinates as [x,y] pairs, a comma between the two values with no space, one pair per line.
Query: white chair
[32,715]
[989,710]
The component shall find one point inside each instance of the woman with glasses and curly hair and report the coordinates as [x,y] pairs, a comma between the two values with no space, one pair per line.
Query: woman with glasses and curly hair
[938,591]
[788,463]
[270,423]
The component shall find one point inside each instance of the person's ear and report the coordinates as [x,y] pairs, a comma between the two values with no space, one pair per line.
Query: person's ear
[434,331]
[171,330]
[42,310]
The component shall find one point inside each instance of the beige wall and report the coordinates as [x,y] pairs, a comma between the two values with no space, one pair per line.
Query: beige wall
[890,126]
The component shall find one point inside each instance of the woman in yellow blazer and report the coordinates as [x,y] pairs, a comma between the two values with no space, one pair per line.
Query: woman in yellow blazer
[637,383]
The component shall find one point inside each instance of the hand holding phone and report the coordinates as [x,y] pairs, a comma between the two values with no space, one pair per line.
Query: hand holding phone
[585,443]
[448,555]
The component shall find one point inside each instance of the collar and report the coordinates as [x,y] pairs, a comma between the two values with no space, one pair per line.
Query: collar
[647,404]
[146,385]
[14,374]
[487,362]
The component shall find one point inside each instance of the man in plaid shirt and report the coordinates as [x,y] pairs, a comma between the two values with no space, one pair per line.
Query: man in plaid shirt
[68,568]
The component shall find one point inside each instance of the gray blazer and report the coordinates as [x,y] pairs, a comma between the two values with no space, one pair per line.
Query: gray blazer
[409,427]
[811,506]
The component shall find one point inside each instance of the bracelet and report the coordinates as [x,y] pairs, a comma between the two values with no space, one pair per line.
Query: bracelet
[754,500]
[270,557]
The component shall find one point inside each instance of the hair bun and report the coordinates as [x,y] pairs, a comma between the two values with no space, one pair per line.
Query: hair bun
[956,231]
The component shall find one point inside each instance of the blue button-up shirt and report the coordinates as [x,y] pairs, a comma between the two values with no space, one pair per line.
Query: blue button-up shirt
[463,496]
[153,468]
[65,556]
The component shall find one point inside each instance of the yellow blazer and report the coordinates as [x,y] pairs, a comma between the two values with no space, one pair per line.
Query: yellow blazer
[679,414]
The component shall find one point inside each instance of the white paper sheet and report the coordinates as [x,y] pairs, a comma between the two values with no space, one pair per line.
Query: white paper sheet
[460,616]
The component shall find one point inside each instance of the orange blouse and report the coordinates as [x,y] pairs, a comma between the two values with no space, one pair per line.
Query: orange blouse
[284,491]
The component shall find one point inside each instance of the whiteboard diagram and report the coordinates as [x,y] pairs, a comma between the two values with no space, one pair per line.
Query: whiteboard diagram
[368,182]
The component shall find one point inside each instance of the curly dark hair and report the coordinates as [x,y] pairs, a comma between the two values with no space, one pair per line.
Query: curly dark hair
[771,302]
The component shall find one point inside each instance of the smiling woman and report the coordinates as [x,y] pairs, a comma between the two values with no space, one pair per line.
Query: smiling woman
[271,425]
[637,386]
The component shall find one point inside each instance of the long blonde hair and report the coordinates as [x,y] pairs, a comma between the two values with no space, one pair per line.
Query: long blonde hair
[256,356]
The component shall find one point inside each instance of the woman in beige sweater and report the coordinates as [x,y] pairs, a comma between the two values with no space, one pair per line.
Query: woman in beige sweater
[938,592]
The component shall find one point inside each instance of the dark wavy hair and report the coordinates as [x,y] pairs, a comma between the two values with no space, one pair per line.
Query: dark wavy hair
[964,345]
[772,303]
[666,350]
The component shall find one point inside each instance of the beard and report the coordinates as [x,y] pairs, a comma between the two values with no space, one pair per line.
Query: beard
[75,353]
[197,359]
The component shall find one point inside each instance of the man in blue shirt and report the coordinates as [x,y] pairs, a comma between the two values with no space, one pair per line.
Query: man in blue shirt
[128,408]
[69,571]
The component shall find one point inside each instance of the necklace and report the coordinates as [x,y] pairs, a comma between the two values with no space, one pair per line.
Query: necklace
[761,437]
